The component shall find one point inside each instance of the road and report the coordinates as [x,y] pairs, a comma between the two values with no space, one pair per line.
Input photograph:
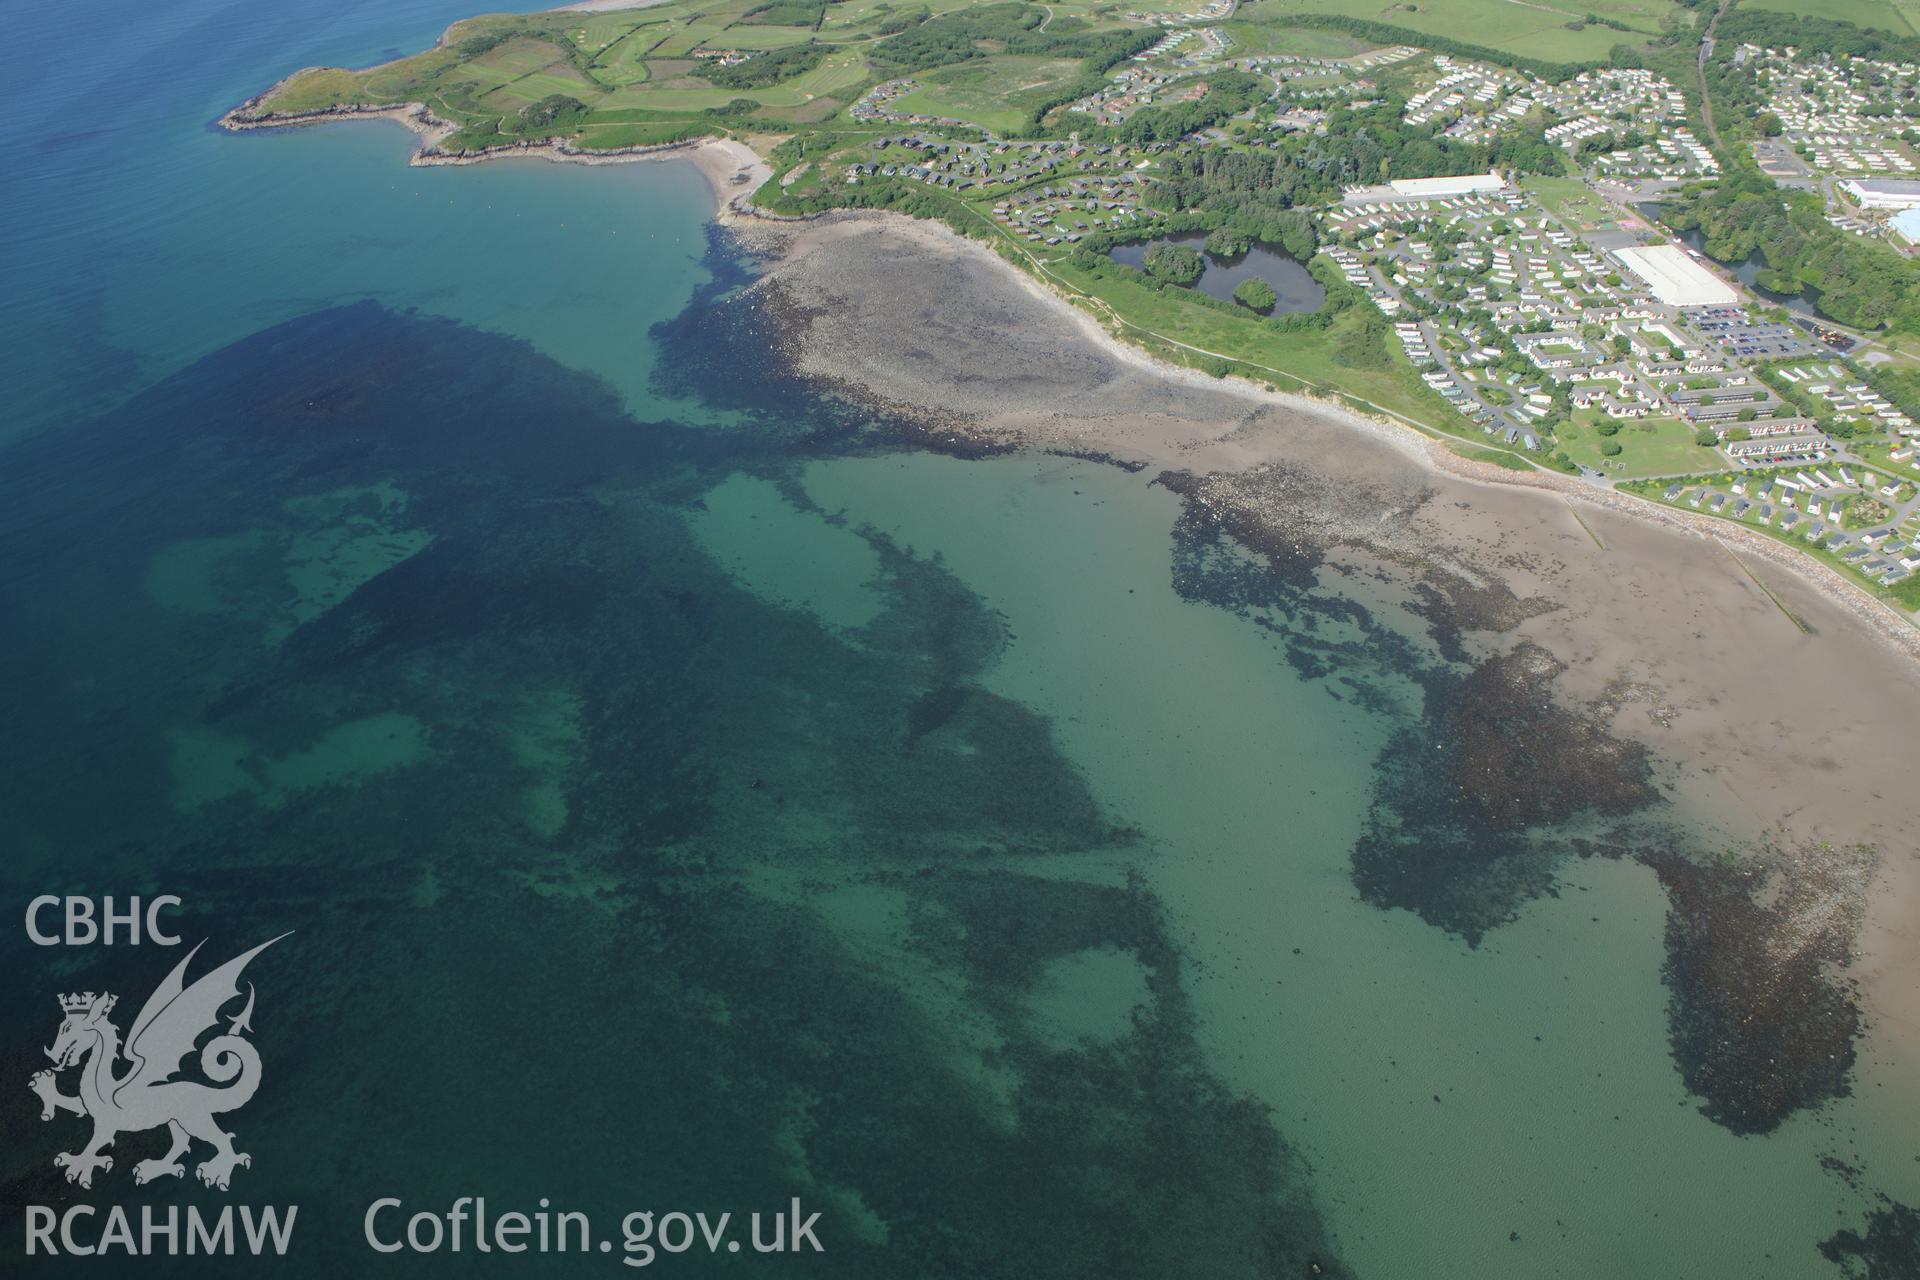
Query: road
[1706,52]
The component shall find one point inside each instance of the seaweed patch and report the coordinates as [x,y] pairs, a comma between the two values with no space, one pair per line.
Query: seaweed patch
[434,671]
[1762,1020]
[1482,795]
[1889,1248]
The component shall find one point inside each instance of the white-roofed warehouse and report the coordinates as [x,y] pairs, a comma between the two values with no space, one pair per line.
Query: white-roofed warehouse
[1883,193]
[1675,278]
[1428,188]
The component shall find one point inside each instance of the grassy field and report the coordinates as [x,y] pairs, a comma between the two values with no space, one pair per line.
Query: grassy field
[742,36]
[1307,42]
[995,93]
[1532,28]
[1648,447]
[1902,17]
[631,71]
[624,62]
[1304,359]
[601,137]
[837,74]
[1571,201]
[860,17]
[489,73]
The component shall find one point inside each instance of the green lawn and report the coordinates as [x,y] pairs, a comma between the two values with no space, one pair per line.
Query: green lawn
[1880,454]
[606,136]
[518,57]
[1251,38]
[612,63]
[995,93]
[1493,457]
[837,73]
[559,78]
[1535,29]
[738,36]
[1648,447]
[860,17]
[597,31]
[624,62]
[319,87]
[706,29]
[1897,16]
[1571,201]
[1301,360]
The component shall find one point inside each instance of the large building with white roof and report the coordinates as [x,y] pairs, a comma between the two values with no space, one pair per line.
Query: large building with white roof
[1883,193]
[1675,278]
[1425,188]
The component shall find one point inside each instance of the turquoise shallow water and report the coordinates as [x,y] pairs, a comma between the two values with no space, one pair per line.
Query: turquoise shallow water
[1448,1096]
[683,799]
[140,237]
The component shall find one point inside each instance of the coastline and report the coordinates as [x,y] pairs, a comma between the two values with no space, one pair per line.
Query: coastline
[1691,618]
[990,783]
[1433,453]
[730,167]
[734,171]
[1736,662]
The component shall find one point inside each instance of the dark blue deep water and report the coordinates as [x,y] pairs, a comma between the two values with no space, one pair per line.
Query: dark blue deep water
[349,590]
[683,793]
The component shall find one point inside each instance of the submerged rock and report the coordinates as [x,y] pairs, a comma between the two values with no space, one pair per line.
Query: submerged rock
[1761,1018]
[1889,1249]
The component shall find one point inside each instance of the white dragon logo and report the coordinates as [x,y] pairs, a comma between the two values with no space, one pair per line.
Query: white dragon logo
[146,1096]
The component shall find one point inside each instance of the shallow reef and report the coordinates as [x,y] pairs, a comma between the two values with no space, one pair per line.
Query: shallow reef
[1494,780]
[610,881]
[1889,1248]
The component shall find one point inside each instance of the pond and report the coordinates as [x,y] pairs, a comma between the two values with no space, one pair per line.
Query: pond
[1805,303]
[1747,271]
[1292,282]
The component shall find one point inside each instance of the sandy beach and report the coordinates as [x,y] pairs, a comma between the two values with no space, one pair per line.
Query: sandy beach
[1779,697]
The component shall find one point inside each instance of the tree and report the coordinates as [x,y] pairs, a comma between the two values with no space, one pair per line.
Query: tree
[1769,125]
[763,69]
[1256,294]
[1608,428]
[1706,437]
[1174,263]
[1364,346]
[1610,448]
[556,112]
[1225,242]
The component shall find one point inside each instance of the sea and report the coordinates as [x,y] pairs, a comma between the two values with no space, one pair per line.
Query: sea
[671,792]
